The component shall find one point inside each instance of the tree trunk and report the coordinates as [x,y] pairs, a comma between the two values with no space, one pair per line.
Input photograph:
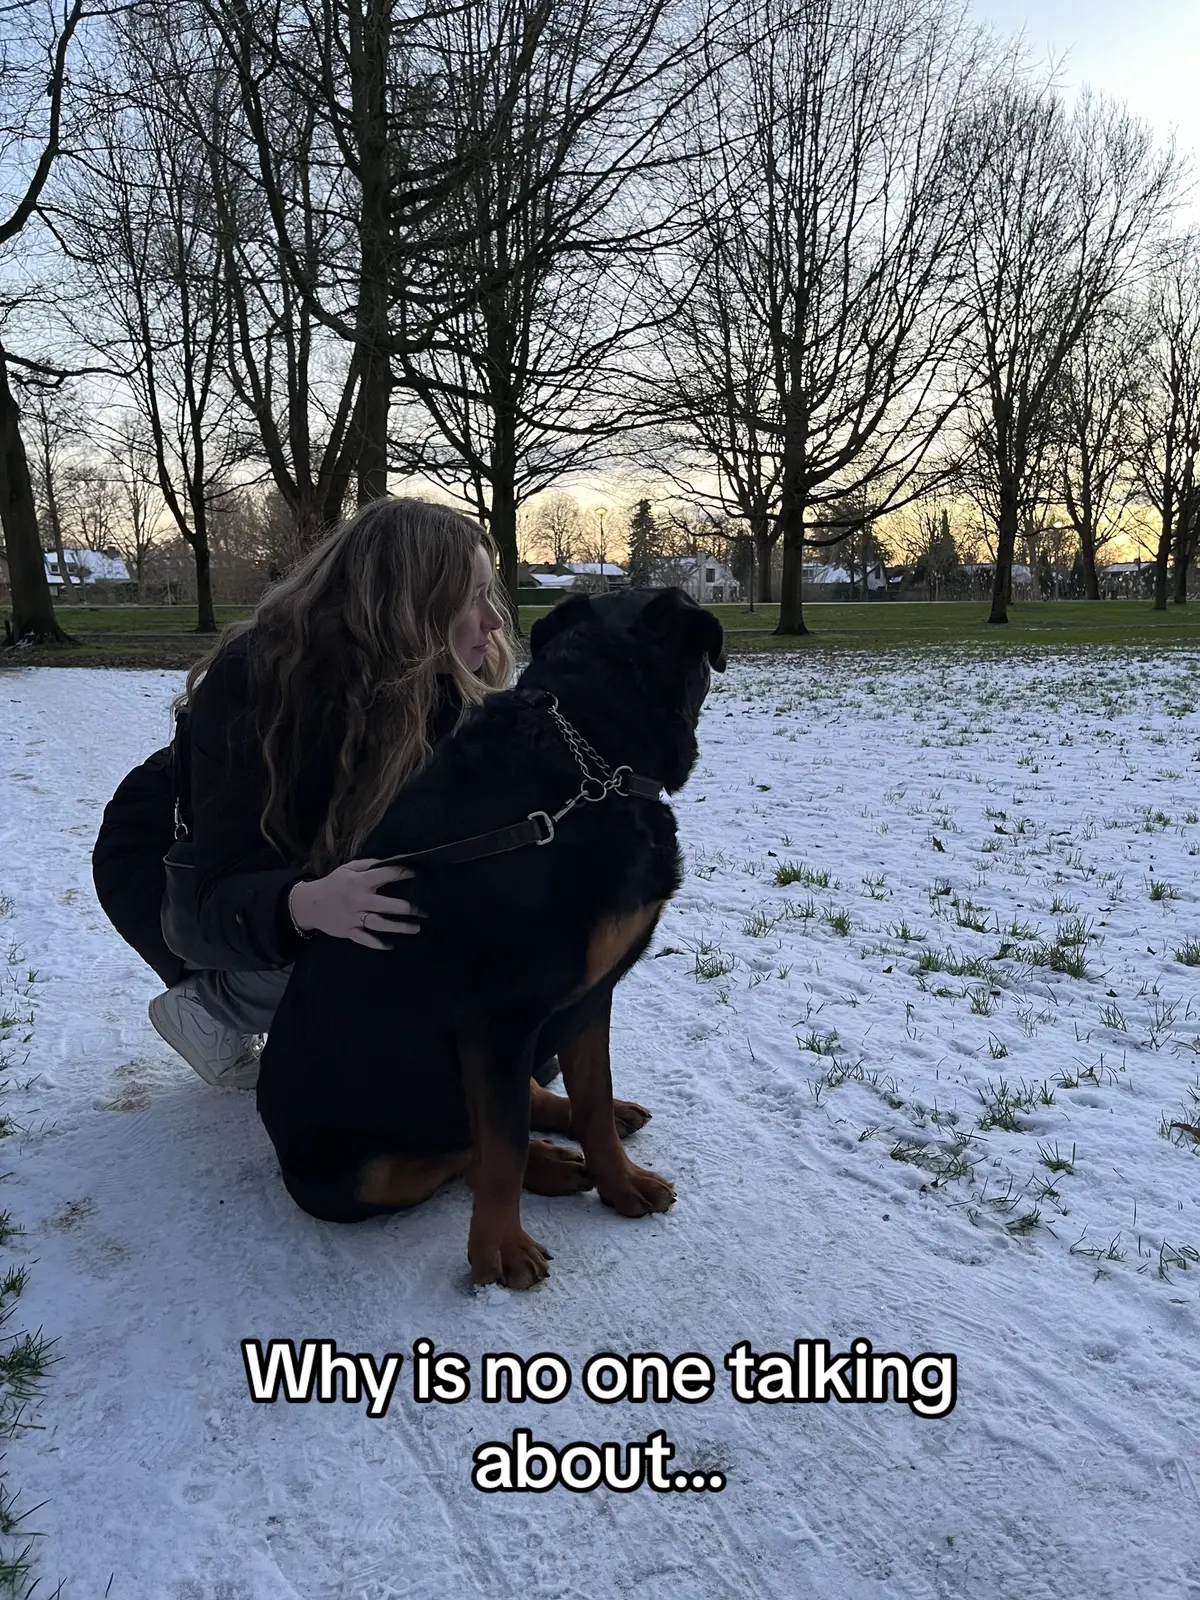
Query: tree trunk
[502,525]
[1006,544]
[502,468]
[1185,550]
[761,529]
[206,617]
[1087,549]
[369,37]
[32,607]
[791,597]
[1162,557]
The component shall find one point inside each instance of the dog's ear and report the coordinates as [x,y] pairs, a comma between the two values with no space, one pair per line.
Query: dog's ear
[674,612]
[566,614]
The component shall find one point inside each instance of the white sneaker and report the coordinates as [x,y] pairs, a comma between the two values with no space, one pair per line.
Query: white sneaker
[221,1056]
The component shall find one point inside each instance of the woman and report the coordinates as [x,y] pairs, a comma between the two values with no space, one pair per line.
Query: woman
[298,728]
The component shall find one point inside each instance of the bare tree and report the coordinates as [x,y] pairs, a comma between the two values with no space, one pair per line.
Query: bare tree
[56,423]
[33,78]
[297,383]
[601,532]
[1096,413]
[1060,205]
[555,526]
[1169,416]
[138,216]
[978,475]
[138,525]
[89,505]
[810,357]
[389,118]
[714,386]
[525,382]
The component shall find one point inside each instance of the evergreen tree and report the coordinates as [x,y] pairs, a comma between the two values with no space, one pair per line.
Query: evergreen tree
[643,546]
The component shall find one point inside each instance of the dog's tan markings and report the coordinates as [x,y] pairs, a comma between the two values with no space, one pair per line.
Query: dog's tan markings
[551,1113]
[498,1248]
[614,937]
[407,1180]
[631,1190]
[553,1169]
[548,1113]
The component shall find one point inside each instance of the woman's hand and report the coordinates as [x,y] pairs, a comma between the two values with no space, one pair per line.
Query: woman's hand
[347,904]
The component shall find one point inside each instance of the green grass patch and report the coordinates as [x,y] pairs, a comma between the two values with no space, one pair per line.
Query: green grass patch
[1059,957]
[147,636]
[887,625]
[799,872]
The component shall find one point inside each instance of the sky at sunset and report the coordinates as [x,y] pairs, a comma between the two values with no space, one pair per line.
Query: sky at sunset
[1144,52]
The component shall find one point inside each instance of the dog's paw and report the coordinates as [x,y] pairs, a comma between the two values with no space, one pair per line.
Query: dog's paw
[552,1169]
[517,1262]
[629,1117]
[635,1192]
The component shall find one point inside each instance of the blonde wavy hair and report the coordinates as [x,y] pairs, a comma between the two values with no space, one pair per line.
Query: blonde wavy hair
[367,613]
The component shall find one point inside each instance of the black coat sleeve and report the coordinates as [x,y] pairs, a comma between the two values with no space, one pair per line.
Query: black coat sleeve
[242,881]
[127,861]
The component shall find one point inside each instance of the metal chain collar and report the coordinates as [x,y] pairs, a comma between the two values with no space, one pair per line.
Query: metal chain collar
[592,788]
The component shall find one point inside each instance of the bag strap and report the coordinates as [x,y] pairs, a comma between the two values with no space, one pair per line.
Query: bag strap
[181,774]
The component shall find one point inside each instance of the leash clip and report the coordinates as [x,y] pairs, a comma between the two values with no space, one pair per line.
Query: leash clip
[535,816]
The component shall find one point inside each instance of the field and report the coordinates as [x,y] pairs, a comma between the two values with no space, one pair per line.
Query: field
[162,636]
[921,1035]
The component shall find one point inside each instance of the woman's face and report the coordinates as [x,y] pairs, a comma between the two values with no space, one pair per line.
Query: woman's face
[474,627]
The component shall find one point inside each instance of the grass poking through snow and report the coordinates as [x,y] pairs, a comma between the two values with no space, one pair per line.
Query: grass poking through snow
[24,1356]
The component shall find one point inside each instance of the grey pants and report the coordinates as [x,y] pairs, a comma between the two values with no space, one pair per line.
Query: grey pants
[244,1001]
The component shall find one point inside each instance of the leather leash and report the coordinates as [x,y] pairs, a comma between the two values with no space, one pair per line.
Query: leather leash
[538,827]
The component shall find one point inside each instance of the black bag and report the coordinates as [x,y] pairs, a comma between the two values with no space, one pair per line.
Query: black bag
[180,912]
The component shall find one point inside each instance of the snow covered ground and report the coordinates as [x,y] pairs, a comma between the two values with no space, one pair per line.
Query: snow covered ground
[933,1092]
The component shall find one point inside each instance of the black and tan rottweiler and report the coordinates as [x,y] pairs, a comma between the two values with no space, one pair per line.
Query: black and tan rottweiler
[386,1073]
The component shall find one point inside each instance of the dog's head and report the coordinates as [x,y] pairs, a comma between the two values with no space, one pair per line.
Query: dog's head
[679,641]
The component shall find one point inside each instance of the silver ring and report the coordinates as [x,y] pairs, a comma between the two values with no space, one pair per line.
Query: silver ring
[362,922]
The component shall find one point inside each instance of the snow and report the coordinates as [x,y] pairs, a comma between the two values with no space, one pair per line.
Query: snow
[158,1234]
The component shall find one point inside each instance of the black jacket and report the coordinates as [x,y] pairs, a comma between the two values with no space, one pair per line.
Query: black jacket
[242,881]
[127,866]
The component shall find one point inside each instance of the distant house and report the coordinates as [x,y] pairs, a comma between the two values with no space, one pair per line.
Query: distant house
[836,583]
[839,577]
[702,575]
[980,575]
[552,580]
[1123,578]
[593,575]
[88,567]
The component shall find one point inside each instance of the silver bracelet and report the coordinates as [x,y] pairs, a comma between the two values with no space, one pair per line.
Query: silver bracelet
[304,933]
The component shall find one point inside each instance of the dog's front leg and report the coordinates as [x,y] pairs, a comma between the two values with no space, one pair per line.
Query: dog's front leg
[496,1080]
[587,1073]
